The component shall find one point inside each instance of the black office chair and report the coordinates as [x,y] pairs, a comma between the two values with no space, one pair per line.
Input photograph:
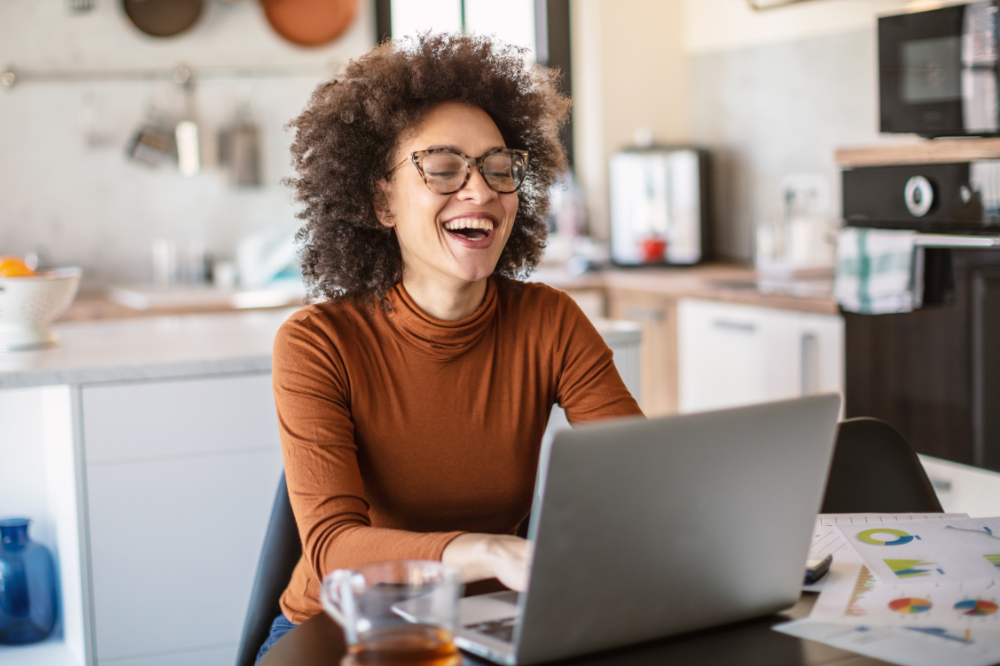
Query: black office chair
[281,552]
[875,470]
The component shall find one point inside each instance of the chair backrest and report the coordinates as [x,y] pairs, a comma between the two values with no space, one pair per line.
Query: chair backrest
[281,552]
[875,470]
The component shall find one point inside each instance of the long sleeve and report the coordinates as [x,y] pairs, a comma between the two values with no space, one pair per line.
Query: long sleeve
[588,385]
[312,394]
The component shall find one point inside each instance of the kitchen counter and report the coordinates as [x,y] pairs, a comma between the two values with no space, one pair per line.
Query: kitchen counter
[93,306]
[148,348]
[165,347]
[731,283]
[719,282]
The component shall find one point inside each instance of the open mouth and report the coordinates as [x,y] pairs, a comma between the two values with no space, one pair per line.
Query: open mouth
[470,228]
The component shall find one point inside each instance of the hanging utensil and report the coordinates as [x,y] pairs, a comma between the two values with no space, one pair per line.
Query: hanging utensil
[186,131]
[163,18]
[153,145]
[245,146]
[239,149]
[309,22]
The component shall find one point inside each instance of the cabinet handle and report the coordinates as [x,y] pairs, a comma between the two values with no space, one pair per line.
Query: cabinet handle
[639,313]
[740,326]
[810,364]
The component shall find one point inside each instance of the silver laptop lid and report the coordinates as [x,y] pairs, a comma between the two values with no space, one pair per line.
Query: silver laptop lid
[648,528]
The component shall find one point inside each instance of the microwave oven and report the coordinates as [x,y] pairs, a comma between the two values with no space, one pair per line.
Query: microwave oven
[938,71]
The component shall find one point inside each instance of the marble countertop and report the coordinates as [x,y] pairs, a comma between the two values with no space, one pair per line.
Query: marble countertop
[148,348]
[165,347]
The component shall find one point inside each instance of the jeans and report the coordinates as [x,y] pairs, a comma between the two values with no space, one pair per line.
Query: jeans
[279,628]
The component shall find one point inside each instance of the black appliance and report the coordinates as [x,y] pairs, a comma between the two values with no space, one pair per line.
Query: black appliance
[938,71]
[962,197]
[934,373]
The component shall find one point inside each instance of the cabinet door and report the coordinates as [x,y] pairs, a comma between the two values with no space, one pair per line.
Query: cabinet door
[721,355]
[731,355]
[658,350]
[180,480]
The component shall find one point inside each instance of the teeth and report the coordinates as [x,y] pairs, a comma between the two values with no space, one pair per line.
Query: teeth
[469,223]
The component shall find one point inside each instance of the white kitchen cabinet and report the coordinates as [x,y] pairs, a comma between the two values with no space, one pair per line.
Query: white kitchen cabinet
[731,354]
[180,480]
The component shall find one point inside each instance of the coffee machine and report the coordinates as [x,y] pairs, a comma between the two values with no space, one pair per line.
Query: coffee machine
[659,206]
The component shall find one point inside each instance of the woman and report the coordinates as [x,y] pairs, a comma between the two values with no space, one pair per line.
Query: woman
[413,401]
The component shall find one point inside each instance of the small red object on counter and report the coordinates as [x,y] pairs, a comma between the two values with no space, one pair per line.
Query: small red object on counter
[652,249]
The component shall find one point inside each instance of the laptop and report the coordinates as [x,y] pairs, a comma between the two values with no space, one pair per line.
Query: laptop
[648,528]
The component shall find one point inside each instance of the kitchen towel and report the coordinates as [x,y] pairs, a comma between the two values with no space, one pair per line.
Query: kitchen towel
[879,271]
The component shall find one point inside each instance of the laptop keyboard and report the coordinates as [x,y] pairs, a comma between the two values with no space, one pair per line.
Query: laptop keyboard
[501,630]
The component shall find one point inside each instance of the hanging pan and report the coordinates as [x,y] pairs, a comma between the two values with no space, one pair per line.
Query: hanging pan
[163,18]
[309,22]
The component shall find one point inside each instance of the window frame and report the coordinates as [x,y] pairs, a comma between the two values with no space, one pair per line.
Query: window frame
[552,46]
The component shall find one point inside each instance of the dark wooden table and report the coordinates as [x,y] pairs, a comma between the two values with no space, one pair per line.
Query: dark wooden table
[320,642]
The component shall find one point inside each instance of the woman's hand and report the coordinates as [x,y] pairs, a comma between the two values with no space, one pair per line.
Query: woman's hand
[482,556]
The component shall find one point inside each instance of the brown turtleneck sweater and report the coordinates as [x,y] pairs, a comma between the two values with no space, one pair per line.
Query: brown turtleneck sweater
[401,431]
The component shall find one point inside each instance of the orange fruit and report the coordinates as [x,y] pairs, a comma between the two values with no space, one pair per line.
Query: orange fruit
[11,266]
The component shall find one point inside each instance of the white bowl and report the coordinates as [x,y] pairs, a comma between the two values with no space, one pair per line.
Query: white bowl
[29,304]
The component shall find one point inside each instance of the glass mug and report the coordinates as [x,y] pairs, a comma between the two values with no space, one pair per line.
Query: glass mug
[396,613]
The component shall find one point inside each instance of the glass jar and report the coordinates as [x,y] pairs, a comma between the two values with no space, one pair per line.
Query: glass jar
[28,598]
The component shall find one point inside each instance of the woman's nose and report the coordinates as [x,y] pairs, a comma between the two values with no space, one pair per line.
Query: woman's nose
[476,189]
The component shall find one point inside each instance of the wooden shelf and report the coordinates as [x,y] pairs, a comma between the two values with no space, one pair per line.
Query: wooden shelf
[928,151]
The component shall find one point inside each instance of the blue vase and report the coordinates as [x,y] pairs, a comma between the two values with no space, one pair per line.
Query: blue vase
[28,599]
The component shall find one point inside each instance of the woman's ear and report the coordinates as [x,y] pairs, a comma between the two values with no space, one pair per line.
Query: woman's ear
[381,203]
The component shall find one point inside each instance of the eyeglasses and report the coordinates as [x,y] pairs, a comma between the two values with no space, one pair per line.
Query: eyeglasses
[446,171]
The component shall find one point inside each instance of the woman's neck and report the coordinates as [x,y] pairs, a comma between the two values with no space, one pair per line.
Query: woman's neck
[447,302]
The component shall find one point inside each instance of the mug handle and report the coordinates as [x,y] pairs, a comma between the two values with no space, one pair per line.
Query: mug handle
[331,597]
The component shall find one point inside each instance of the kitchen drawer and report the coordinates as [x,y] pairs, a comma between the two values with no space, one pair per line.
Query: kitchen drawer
[177,418]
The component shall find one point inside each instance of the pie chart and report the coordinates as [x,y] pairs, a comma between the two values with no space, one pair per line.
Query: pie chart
[976,607]
[871,536]
[911,605]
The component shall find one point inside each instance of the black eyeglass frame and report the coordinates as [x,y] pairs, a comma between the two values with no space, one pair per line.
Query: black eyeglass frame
[418,157]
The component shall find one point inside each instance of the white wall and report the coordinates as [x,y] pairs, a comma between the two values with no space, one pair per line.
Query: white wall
[715,25]
[629,71]
[83,200]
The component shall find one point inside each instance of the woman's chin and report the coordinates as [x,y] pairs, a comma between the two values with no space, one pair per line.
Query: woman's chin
[474,272]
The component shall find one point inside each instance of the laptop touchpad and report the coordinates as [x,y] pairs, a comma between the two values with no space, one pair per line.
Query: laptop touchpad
[486,607]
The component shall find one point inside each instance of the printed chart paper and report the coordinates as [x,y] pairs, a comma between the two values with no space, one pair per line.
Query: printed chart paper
[911,620]
[954,609]
[928,551]
[828,541]
[908,646]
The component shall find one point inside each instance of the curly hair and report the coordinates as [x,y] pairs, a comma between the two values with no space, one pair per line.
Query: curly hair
[352,126]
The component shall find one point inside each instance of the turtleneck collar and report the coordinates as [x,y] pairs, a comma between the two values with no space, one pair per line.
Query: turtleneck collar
[437,338]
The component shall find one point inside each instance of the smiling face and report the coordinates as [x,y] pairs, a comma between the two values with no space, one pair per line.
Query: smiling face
[448,240]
